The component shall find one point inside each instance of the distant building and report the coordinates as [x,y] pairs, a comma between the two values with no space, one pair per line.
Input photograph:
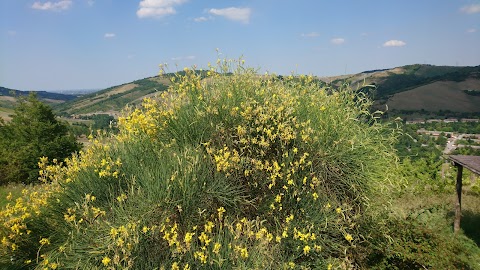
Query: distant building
[450,120]
[470,120]
[415,121]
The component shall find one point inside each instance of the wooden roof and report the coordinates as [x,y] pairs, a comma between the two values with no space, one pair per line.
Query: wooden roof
[470,162]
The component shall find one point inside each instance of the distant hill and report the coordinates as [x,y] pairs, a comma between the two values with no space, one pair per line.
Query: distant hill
[420,88]
[404,90]
[8,99]
[113,99]
[54,97]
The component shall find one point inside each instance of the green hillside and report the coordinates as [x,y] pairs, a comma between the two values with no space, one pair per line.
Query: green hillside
[425,88]
[8,99]
[112,100]
[42,95]
[404,90]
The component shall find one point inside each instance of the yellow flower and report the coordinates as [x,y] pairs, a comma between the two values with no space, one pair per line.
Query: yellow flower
[289,218]
[106,260]
[216,248]
[175,266]
[188,238]
[201,256]
[306,249]
[244,253]
[220,211]
[204,239]
[113,232]
[348,237]
[209,226]
[339,210]
[44,241]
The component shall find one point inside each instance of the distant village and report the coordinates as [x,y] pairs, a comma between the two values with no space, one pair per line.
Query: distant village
[448,120]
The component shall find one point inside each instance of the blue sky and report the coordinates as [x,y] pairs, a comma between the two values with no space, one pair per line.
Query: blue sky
[85,44]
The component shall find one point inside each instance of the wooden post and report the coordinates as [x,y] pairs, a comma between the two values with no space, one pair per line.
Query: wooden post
[458,201]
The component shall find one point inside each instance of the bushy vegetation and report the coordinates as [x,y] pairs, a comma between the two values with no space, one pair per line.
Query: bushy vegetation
[32,133]
[229,171]
[94,123]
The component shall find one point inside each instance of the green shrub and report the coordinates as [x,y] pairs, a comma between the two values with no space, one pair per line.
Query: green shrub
[235,170]
[424,240]
[32,133]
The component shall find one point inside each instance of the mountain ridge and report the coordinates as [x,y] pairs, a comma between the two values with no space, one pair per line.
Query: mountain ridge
[408,88]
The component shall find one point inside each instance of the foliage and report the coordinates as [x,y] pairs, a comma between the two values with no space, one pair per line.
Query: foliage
[415,146]
[10,192]
[472,92]
[460,127]
[32,133]
[235,170]
[423,240]
[467,150]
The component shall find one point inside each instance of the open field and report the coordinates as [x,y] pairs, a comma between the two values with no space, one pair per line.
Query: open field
[5,113]
[440,95]
[103,96]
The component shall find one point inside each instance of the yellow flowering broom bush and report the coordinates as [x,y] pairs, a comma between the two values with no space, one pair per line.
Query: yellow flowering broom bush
[227,169]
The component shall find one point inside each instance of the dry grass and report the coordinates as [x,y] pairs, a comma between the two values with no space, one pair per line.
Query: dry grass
[440,95]
[101,97]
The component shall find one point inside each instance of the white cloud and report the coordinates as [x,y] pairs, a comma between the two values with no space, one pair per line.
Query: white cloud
[157,8]
[201,19]
[90,3]
[233,13]
[182,58]
[109,35]
[55,6]
[394,43]
[471,30]
[11,32]
[471,9]
[310,35]
[337,41]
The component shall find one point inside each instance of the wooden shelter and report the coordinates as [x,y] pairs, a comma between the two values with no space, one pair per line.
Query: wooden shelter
[472,163]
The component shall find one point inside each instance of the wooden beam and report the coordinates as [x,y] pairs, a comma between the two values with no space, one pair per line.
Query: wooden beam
[458,200]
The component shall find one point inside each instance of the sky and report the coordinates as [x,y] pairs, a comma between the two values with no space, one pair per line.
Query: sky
[95,44]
